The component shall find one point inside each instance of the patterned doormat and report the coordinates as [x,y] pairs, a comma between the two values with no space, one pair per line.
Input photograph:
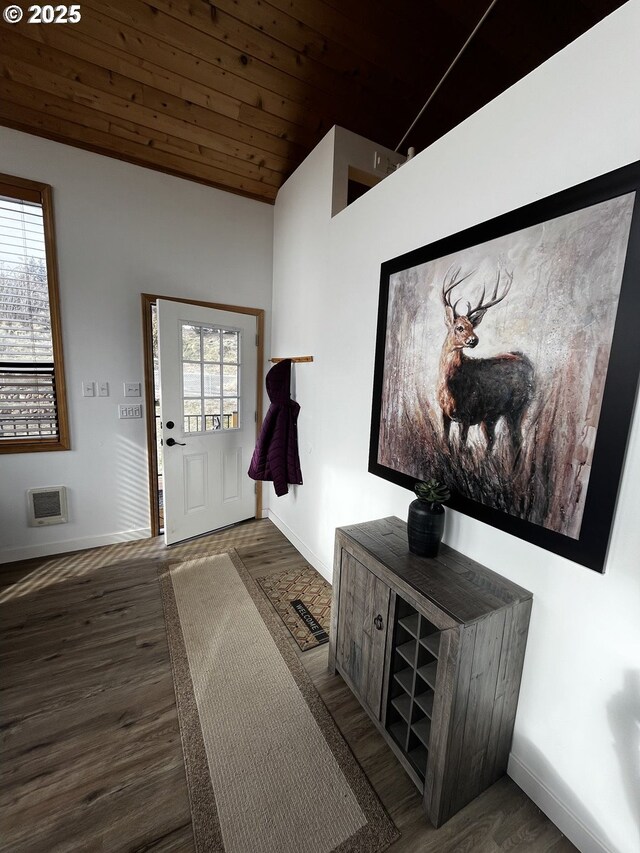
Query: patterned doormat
[302,599]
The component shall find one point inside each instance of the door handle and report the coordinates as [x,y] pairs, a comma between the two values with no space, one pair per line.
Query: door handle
[378,622]
[171,441]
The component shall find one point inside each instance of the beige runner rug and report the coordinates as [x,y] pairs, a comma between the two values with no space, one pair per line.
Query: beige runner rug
[267,769]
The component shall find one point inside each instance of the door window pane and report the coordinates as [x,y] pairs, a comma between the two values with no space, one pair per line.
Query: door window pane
[230,413]
[211,344]
[191,374]
[190,342]
[230,383]
[193,415]
[212,380]
[212,418]
[230,346]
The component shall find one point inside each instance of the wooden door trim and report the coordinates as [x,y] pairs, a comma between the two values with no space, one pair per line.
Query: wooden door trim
[148,300]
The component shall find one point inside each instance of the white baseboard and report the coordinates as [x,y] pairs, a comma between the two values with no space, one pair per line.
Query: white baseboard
[566,820]
[51,549]
[312,558]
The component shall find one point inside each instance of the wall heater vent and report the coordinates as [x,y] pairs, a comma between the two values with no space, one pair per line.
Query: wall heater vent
[47,506]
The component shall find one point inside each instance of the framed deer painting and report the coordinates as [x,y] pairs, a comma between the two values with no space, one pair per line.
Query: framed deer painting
[507,363]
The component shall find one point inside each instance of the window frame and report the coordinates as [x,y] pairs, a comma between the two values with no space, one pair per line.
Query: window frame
[35,192]
[221,364]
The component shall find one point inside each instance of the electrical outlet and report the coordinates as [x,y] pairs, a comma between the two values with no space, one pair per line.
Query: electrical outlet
[126,412]
[103,389]
[88,389]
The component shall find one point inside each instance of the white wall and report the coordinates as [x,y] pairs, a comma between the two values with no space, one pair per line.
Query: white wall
[578,727]
[121,230]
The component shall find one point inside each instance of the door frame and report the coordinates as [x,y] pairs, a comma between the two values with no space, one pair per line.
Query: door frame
[148,300]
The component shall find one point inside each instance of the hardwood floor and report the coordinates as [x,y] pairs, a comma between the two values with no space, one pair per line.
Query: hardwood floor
[91,752]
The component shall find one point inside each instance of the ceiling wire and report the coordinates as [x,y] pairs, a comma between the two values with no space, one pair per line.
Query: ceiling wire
[446,73]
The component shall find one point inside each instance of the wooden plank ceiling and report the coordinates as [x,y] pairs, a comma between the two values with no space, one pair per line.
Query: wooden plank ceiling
[235,93]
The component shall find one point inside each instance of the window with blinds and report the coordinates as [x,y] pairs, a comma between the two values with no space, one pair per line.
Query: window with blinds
[32,398]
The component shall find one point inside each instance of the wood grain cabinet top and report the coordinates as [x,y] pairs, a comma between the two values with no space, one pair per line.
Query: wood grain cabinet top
[433,649]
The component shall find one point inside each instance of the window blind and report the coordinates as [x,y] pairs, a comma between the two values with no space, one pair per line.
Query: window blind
[27,369]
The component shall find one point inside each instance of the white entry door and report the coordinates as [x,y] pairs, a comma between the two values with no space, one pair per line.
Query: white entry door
[208,374]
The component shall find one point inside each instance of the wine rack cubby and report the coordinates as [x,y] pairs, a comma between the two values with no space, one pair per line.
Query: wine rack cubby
[414,664]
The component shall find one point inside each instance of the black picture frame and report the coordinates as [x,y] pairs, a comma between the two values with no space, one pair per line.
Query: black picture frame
[620,386]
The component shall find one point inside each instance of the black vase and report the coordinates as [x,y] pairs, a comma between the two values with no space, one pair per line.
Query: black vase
[425,526]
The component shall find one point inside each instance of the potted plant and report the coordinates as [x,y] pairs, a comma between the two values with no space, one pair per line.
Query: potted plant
[425,523]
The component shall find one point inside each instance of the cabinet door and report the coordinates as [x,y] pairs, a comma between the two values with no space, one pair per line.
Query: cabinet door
[362,630]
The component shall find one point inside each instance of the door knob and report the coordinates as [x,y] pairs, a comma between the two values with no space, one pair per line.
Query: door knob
[172,441]
[378,622]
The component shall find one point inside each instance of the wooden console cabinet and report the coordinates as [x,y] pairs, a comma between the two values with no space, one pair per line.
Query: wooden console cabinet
[433,649]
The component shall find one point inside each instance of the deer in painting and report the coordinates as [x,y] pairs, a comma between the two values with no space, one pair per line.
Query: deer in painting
[480,391]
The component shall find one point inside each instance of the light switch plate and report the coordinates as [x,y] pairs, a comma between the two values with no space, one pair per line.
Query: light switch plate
[88,389]
[103,389]
[131,389]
